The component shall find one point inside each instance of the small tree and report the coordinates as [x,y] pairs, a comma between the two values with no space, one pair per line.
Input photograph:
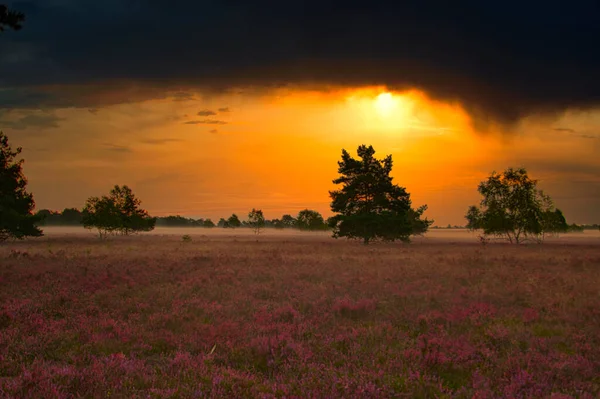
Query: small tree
[553,223]
[119,212]
[288,221]
[10,18]
[514,209]
[277,224]
[233,221]
[208,223]
[310,220]
[101,213]
[256,220]
[71,217]
[16,204]
[369,206]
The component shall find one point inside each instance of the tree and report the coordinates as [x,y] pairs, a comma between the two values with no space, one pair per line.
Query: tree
[513,208]
[288,221]
[16,204]
[256,220]
[553,223]
[119,212]
[71,216]
[68,217]
[575,228]
[10,18]
[277,224]
[233,221]
[208,223]
[310,220]
[101,213]
[46,217]
[369,205]
[222,223]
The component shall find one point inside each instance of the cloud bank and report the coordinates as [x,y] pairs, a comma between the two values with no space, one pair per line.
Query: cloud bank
[500,60]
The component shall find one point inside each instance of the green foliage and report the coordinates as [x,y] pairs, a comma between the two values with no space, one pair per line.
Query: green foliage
[554,222]
[10,18]
[186,238]
[256,220]
[370,206]
[513,208]
[68,217]
[275,223]
[288,221]
[208,223]
[119,212]
[233,221]
[575,228]
[310,220]
[16,204]
[178,221]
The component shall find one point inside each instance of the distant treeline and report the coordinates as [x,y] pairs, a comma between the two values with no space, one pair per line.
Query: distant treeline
[305,220]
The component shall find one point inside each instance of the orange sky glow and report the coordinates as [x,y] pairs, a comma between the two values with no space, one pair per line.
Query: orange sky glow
[213,155]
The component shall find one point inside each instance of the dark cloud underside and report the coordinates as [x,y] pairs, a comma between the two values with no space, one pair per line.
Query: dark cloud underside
[500,59]
[159,141]
[44,121]
[206,122]
[117,148]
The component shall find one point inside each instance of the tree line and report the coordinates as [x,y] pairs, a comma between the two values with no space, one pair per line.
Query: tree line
[307,219]
[368,206]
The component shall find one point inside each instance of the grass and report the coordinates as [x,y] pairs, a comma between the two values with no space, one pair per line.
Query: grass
[223,316]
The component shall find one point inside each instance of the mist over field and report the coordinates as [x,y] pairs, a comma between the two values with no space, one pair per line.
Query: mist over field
[433,235]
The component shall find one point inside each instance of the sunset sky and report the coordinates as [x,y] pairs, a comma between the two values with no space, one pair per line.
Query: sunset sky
[212,108]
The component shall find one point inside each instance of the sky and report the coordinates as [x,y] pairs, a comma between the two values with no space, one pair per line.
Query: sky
[206,108]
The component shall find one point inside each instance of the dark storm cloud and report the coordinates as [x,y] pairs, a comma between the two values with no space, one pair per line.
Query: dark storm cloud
[502,60]
[183,96]
[206,112]
[44,121]
[206,122]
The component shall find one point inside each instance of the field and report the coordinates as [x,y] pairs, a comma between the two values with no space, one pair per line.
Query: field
[298,315]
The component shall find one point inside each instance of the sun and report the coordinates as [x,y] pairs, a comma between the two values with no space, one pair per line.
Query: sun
[385,104]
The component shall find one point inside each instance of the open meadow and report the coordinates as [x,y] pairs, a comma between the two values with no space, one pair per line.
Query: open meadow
[230,314]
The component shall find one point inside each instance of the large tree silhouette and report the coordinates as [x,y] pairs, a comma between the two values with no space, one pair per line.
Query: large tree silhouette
[16,204]
[370,206]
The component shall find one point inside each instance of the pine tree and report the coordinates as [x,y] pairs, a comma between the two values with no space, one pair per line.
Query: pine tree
[16,204]
[369,205]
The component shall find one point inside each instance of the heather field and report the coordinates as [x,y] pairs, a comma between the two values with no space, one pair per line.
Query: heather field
[298,315]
